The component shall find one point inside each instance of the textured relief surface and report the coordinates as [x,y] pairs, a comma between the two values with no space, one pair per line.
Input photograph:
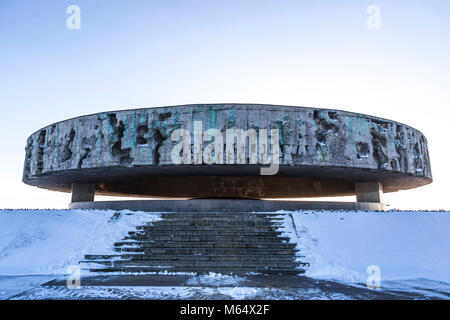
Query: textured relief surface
[310,140]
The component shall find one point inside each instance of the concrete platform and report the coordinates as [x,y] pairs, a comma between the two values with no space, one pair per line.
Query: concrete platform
[224,205]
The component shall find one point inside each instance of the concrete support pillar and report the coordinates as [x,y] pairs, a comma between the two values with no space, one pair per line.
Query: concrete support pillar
[369,192]
[82,192]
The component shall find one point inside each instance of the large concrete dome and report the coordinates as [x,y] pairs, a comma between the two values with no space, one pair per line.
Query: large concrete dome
[322,153]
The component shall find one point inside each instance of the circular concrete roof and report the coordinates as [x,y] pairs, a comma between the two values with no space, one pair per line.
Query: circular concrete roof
[322,152]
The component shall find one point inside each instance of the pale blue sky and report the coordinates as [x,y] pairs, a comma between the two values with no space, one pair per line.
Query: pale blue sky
[131,54]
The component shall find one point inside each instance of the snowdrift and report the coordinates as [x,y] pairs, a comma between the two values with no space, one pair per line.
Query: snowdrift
[48,241]
[342,245]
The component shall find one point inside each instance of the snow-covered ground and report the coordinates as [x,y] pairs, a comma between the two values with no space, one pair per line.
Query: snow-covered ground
[49,241]
[342,245]
[411,249]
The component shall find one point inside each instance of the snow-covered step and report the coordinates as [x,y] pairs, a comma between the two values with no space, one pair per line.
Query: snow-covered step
[224,219]
[249,234]
[224,269]
[212,257]
[236,228]
[221,215]
[224,223]
[207,244]
[201,238]
[197,262]
[203,251]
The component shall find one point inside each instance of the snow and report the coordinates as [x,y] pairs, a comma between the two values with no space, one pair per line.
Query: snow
[342,245]
[11,286]
[176,292]
[48,241]
[215,279]
[412,250]
[337,245]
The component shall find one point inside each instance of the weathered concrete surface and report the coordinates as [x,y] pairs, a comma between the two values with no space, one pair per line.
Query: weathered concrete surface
[224,205]
[327,150]
[83,192]
[369,192]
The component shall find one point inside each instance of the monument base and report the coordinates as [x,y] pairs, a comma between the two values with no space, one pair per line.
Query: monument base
[224,205]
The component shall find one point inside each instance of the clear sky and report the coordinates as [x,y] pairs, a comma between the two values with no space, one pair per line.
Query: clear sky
[130,54]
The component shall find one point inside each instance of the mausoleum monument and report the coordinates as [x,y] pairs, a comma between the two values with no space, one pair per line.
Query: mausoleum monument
[213,153]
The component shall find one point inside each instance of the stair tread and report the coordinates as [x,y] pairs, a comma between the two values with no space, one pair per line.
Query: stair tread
[199,249]
[241,238]
[200,270]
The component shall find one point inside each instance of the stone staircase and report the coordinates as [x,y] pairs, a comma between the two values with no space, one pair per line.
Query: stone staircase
[204,242]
